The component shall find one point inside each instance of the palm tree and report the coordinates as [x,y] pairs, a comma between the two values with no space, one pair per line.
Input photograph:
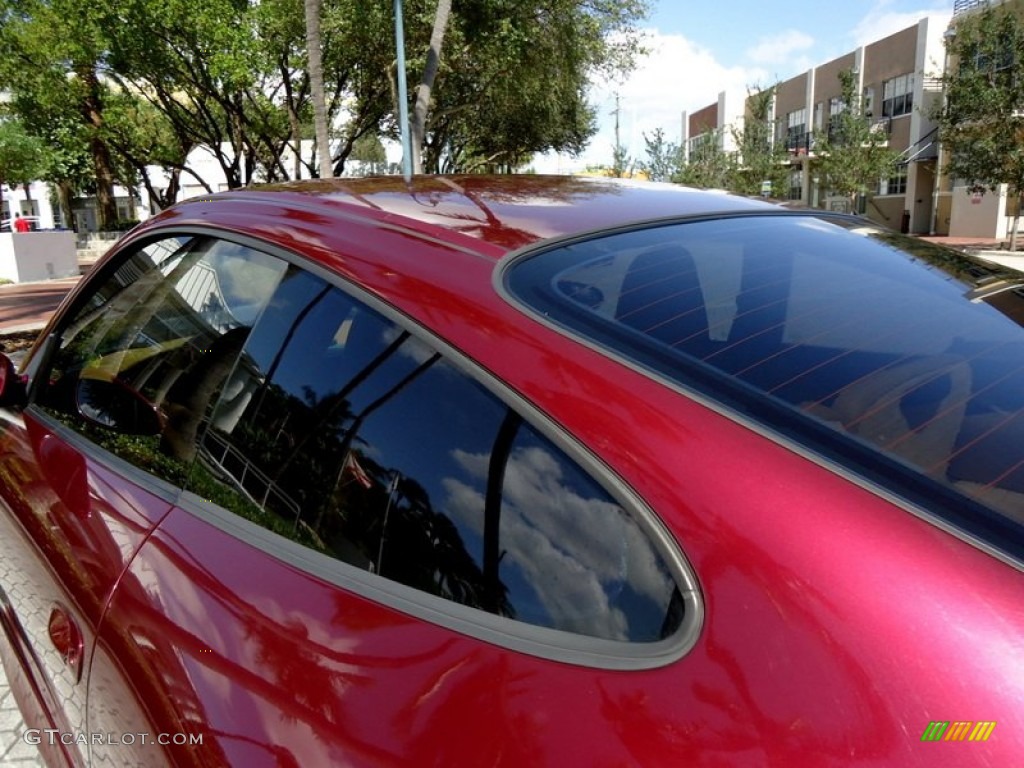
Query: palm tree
[316,86]
[419,120]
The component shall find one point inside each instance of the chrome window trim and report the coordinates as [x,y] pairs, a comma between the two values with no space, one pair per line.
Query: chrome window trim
[518,636]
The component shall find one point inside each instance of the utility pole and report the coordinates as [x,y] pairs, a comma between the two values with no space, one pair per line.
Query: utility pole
[619,158]
[616,113]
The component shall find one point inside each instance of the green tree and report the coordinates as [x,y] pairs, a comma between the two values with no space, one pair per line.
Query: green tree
[761,157]
[708,166]
[51,52]
[664,158]
[143,139]
[140,83]
[234,76]
[315,70]
[369,151]
[69,165]
[981,122]
[196,64]
[514,77]
[853,156]
[22,158]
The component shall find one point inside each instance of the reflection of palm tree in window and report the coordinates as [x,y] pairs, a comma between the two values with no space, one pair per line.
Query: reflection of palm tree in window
[189,399]
[422,548]
[286,345]
[360,418]
[496,591]
[310,444]
[339,400]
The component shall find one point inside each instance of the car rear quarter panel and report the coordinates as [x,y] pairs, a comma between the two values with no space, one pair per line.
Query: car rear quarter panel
[839,623]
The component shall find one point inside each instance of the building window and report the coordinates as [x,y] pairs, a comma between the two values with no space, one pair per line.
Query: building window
[836,108]
[796,129]
[700,145]
[898,96]
[796,185]
[895,184]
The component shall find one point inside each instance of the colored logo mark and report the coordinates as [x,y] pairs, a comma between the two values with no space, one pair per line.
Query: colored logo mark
[959,730]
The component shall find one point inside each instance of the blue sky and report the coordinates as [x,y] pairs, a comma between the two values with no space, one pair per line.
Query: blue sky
[698,49]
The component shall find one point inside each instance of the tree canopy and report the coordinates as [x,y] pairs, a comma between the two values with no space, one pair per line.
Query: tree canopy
[135,85]
[761,158]
[708,165]
[981,122]
[853,153]
[21,155]
[513,77]
[664,158]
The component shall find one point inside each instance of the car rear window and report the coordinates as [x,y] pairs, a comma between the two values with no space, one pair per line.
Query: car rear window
[905,358]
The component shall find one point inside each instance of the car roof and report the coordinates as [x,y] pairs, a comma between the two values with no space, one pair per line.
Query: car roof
[492,214]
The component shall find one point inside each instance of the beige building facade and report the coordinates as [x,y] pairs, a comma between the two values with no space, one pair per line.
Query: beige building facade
[899,78]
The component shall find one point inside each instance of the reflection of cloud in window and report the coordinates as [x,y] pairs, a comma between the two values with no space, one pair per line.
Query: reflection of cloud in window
[412,348]
[247,279]
[576,552]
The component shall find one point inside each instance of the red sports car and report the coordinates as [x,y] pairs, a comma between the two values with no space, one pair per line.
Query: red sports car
[518,472]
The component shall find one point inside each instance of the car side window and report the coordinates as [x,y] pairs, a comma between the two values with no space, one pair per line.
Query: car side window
[140,363]
[349,435]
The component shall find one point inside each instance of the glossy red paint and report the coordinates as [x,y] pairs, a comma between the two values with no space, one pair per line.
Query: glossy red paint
[69,528]
[838,623]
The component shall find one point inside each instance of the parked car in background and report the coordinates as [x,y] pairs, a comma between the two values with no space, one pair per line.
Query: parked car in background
[518,471]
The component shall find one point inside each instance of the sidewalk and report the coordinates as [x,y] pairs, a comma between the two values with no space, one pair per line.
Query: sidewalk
[27,306]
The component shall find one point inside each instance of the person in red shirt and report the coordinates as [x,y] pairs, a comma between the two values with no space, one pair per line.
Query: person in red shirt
[20,224]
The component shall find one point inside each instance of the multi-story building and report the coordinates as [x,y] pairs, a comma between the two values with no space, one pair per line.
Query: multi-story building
[713,124]
[899,78]
[970,213]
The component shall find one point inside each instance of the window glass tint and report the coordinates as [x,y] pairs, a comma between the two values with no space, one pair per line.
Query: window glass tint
[343,432]
[575,558]
[141,363]
[912,350]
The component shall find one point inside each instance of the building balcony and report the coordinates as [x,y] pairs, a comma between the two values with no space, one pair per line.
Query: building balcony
[963,6]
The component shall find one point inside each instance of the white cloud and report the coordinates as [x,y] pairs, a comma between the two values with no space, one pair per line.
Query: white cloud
[676,75]
[679,74]
[780,49]
[580,549]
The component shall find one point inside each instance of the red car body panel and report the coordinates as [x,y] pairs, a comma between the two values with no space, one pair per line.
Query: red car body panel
[72,527]
[839,622]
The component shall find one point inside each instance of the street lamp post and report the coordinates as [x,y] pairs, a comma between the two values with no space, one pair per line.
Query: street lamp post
[403,92]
